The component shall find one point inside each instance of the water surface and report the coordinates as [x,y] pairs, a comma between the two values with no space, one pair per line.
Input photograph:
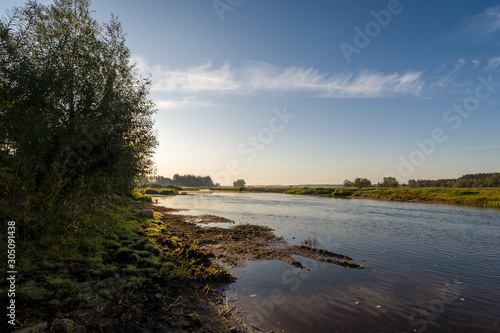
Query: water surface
[432,268]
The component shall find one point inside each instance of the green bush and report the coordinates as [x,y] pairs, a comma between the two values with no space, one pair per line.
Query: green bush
[169,192]
[141,197]
[151,191]
[164,191]
[174,187]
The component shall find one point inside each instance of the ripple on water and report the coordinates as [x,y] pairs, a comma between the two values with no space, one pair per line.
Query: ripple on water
[433,268]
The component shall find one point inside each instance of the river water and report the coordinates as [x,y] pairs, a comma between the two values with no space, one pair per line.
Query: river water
[431,267]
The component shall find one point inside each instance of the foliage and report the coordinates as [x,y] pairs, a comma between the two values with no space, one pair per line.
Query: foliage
[166,191]
[118,272]
[474,197]
[469,180]
[158,185]
[348,183]
[362,182]
[310,191]
[75,120]
[169,191]
[479,180]
[342,194]
[188,180]
[141,197]
[239,183]
[266,189]
[389,182]
[151,191]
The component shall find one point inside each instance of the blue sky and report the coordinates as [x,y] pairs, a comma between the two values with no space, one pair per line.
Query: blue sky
[295,92]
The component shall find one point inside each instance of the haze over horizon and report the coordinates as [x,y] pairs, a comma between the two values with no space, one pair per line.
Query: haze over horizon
[290,93]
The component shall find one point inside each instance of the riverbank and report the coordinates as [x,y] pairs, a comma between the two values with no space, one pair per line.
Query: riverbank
[478,197]
[487,198]
[158,273]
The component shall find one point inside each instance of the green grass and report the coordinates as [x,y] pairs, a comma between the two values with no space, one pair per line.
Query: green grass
[123,260]
[254,189]
[481,197]
[310,191]
[485,197]
[141,196]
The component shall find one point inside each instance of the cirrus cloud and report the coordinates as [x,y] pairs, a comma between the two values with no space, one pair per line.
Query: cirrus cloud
[263,78]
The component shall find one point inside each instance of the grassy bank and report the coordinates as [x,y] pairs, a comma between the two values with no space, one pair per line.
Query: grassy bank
[465,196]
[480,197]
[122,277]
[260,189]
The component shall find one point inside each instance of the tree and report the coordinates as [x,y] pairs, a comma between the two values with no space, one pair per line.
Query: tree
[75,120]
[192,180]
[239,183]
[348,183]
[412,183]
[493,180]
[362,182]
[390,182]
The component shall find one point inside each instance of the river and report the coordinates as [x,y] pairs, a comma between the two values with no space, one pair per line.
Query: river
[431,267]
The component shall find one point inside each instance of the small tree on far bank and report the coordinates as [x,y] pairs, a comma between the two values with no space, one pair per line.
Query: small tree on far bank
[239,183]
[348,183]
[389,182]
[362,182]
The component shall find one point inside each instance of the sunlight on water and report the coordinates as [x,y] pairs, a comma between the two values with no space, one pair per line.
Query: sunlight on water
[433,268]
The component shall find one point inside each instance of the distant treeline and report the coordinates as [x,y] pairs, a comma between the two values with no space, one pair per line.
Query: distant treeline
[471,180]
[184,180]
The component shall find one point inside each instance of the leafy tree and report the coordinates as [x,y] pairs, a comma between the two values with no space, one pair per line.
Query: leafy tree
[493,180]
[412,183]
[362,182]
[239,183]
[163,180]
[75,120]
[192,180]
[348,183]
[478,180]
[390,182]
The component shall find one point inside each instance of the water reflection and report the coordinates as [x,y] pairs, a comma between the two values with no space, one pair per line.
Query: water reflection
[433,268]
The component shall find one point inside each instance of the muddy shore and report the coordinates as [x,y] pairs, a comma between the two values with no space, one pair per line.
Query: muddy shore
[232,247]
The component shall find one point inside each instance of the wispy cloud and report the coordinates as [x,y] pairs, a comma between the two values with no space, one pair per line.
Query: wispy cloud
[259,77]
[493,63]
[188,102]
[445,79]
[481,28]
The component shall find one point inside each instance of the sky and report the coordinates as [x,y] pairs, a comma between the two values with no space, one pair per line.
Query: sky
[295,92]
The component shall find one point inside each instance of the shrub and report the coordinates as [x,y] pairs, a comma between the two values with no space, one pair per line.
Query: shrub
[151,191]
[169,192]
[138,196]
[174,187]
